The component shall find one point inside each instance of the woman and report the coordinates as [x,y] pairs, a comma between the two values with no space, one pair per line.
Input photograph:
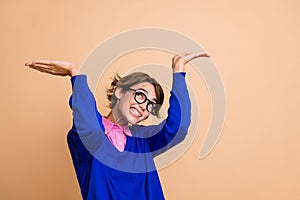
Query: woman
[113,154]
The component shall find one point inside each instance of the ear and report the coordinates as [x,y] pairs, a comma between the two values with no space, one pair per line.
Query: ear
[118,92]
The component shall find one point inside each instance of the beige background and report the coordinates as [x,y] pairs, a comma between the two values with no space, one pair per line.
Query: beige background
[255,45]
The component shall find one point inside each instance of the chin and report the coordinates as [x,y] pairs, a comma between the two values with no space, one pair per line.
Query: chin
[133,120]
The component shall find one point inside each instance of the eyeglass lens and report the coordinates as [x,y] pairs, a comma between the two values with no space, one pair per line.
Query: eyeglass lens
[140,98]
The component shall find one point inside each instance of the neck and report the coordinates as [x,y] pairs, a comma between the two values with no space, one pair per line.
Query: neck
[115,118]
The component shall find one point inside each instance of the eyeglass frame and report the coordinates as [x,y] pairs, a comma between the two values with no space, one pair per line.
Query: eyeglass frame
[146,99]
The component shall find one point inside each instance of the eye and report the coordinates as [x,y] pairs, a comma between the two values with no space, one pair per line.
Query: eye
[140,96]
[151,105]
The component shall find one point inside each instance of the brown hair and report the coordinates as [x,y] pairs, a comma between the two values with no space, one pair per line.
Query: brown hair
[131,80]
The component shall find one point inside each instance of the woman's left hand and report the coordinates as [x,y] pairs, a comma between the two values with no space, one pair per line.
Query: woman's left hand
[179,61]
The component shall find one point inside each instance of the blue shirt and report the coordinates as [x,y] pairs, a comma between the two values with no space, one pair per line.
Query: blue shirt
[105,173]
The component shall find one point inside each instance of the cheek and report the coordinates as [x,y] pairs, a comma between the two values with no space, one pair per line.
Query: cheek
[127,102]
[146,116]
[131,101]
[124,102]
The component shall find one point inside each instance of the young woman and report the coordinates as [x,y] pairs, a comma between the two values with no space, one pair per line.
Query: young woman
[113,154]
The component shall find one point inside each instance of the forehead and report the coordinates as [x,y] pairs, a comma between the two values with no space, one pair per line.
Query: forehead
[147,87]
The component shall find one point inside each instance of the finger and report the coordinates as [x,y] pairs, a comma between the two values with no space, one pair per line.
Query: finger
[184,54]
[202,55]
[33,63]
[41,66]
[36,66]
[43,62]
[192,56]
[188,57]
[181,55]
[47,70]
[28,63]
[40,69]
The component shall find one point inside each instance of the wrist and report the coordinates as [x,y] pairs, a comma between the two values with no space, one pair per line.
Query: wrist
[178,70]
[73,71]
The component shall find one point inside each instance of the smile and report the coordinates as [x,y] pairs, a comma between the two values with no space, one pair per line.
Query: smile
[135,112]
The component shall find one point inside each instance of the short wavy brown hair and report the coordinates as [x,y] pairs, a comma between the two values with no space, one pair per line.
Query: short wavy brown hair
[131,80]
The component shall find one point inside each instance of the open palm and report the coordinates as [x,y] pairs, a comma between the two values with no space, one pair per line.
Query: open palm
[59,68]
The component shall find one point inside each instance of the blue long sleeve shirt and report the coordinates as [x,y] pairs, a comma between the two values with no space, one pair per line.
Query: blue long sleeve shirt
[105,173]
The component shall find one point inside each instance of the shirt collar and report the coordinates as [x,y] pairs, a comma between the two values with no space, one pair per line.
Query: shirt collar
[109,125]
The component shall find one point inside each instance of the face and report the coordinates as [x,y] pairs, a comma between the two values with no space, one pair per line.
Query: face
[128,109]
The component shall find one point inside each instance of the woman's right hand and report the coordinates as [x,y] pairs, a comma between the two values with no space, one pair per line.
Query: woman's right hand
[59,68]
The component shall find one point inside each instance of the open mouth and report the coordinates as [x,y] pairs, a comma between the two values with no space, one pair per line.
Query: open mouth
[135,112]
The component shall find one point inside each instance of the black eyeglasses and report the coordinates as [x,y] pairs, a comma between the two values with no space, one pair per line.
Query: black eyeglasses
[140,97]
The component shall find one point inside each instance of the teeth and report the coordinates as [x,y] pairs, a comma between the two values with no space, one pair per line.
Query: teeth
[136,112]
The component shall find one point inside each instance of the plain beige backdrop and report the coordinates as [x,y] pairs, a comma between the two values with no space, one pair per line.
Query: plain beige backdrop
[254,44]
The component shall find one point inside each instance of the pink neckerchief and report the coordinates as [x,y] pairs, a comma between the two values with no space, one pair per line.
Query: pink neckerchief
[116,134]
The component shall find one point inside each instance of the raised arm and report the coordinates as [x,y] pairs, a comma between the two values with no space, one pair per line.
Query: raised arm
[86,134]
[86,131]
[174,128]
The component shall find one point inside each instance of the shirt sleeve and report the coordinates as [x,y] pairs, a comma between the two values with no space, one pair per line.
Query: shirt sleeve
[174,128]
[87,131]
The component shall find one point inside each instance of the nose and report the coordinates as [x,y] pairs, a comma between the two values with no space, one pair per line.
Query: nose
[143,105]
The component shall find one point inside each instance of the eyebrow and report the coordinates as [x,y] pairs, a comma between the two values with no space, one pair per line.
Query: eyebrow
[154,99]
